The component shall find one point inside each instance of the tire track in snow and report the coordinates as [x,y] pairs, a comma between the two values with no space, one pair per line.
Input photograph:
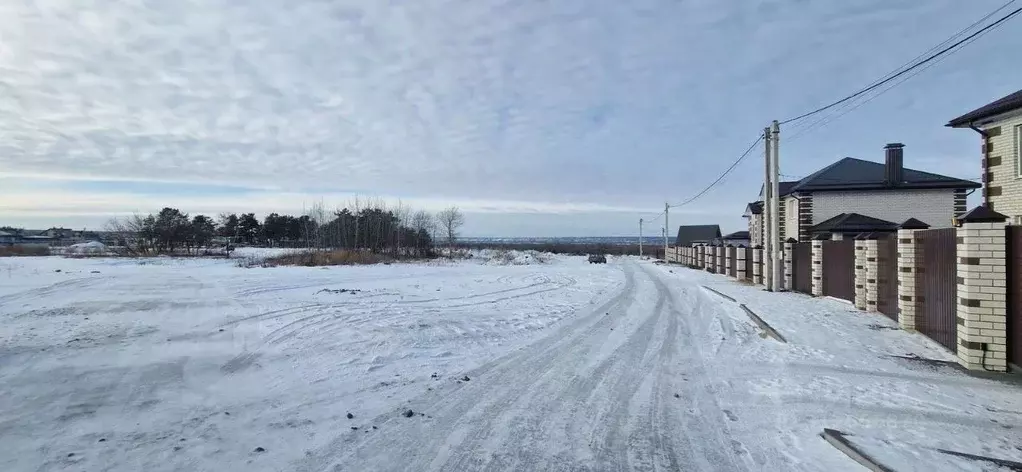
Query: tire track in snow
[450,406]
[512,413]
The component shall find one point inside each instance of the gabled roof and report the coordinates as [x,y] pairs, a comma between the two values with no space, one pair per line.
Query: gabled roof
[736,235]
[754,208]
[856,174]
[783,188]
[853,223]
[1002,105]
[694,234]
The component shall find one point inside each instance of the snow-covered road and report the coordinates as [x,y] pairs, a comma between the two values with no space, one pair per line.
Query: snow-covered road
[199,365]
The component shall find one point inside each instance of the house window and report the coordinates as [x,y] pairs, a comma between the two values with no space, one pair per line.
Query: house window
[1018,150]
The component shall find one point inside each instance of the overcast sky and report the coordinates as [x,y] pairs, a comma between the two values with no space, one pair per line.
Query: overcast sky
[545,118]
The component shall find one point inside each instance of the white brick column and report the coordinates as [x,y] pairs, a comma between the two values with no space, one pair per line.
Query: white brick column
[729,262]
[757,265]
[872,271]
[909,261]
[719,264]
[860,274]
[982,291]
[703,262]
[817,269]
[789,265]
[740,256]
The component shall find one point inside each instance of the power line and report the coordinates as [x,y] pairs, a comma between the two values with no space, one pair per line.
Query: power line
[830,118]
[726,172]
[904,71]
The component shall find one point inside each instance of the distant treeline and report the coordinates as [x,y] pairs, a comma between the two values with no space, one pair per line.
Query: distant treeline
[369,226]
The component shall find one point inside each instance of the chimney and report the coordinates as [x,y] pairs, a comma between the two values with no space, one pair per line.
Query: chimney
[894,164]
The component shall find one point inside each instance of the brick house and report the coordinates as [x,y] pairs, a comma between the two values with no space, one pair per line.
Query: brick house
[999,124]
[854,191]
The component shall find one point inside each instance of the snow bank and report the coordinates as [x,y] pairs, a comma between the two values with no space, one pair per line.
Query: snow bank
[90,248]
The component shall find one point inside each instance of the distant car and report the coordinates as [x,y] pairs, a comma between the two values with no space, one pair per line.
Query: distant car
[597,259]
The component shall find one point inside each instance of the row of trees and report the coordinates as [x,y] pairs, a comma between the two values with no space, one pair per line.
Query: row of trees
[370,226]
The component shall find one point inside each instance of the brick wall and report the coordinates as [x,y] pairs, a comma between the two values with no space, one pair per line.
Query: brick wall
[756,230]
[1002,181]
[982,296]
[933,207]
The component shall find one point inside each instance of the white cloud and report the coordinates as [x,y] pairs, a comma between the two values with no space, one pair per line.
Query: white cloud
[520,106]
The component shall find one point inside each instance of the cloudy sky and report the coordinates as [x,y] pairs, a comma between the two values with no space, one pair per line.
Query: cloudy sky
[564,117]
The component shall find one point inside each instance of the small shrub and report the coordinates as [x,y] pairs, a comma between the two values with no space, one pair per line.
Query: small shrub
[332,258]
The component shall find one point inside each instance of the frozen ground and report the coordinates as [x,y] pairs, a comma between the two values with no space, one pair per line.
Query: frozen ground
[194,364]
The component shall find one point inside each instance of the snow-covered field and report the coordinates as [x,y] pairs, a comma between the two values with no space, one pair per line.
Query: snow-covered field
[197,364]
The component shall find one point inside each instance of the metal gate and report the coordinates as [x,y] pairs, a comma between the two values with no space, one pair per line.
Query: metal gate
[887,275]
[938,286]
[1014,255]
[802,267]
[732,255]
[839,269]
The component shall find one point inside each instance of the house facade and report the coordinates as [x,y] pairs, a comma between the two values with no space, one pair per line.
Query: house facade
[999,125]
[881,192]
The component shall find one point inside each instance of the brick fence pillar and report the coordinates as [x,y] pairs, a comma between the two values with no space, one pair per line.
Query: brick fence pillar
[719,266]
[729,260]
[817,269]
[860,272]
[740,256]
[757,265]
[789,265]
[872,272]
[700,257]
[909,262]
[982,291]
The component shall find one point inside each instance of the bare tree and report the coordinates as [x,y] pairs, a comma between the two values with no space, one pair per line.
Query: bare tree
[450,220]
[134,233]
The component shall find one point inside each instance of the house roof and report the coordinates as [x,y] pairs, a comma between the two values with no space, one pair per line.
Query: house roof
[755,208]
[856,174]
[853,223]
[736,235]
[5,233]
[783,188]
[693,234]
[1002,105]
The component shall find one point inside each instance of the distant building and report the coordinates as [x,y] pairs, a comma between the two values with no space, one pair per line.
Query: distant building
[696,234]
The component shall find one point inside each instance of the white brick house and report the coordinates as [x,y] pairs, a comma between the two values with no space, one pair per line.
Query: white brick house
[885,191]
[999,124]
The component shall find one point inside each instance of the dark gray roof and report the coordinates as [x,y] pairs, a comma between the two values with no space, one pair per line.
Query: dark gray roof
[783,188]
[853,223]
[694,234]
[736,235]
[856,174]
[994,108]
[756,208]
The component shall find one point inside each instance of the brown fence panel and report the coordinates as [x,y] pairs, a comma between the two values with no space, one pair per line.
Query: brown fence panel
[938,286]
[839,269]
[802,267]
[1014,255]
[732,255]
[748,263]
[887,276]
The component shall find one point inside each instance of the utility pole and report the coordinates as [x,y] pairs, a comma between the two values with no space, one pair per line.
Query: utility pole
[768,211]
[663,231]
[640,238]
[775,157]
[667,224]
